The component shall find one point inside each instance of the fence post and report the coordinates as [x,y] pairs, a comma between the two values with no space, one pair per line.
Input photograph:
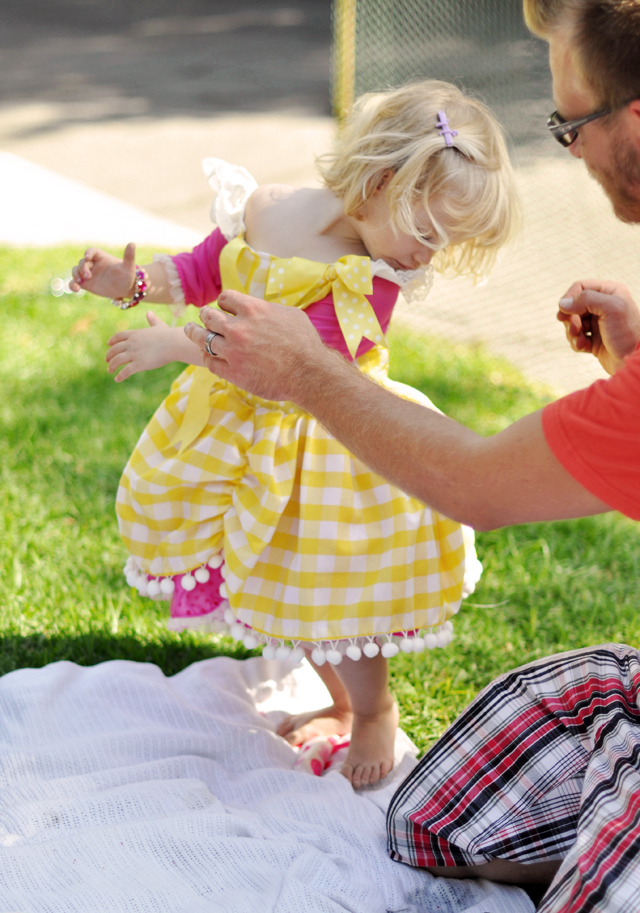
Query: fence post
[344,63]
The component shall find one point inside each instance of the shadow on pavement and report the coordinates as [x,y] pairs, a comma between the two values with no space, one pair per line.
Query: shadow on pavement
[103,60]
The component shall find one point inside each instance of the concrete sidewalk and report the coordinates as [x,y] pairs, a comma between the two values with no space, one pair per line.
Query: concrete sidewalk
[139,180]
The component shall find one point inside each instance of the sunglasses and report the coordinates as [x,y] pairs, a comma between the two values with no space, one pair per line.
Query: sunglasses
[566,131]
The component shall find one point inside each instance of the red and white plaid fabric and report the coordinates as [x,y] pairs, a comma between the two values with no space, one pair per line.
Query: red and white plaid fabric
[544,764]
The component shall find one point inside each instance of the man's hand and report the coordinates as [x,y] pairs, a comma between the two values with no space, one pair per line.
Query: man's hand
[601,318]
[265,348]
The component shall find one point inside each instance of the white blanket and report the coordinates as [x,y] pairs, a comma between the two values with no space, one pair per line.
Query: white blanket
[122,791]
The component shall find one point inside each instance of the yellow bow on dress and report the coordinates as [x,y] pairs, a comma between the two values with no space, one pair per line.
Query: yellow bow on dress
[298,283]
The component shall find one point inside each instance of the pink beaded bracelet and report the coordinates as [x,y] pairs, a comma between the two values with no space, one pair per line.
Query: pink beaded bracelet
[140,292]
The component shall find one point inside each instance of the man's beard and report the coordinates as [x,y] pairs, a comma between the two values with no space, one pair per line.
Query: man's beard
[622,182]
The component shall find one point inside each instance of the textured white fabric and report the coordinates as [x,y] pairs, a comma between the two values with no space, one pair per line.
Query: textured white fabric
[122,791]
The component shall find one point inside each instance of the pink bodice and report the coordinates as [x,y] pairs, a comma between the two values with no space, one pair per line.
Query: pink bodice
[199,273]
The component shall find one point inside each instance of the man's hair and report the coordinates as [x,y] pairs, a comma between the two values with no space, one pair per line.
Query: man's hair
[606,35]
[396,133]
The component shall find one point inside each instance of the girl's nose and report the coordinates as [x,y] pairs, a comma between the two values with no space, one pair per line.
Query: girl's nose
[423,256]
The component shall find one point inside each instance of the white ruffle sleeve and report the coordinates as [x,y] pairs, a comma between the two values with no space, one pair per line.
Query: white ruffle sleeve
[232,185]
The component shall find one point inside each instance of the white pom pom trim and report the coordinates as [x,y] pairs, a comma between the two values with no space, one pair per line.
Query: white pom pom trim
[323,651]
[188,583]
[167,586]
[142,585]
[153,588]
[297,655]
[237,631]
[318,656]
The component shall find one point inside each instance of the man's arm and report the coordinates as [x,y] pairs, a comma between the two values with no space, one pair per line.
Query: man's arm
[511,477]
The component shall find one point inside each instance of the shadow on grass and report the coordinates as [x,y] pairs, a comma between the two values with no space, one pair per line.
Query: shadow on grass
[171,654]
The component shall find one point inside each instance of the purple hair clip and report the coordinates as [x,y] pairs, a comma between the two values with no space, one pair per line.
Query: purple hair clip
[445,130]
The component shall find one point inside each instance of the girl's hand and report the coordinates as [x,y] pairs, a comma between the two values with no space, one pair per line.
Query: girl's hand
[105,275]
[144,350]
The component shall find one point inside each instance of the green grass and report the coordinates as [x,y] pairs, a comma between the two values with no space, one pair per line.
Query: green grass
[67,430]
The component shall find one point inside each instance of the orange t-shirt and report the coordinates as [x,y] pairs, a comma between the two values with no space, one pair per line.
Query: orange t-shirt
[595,434]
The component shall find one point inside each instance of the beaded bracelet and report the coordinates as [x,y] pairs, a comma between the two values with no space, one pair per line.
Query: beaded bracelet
[140,292]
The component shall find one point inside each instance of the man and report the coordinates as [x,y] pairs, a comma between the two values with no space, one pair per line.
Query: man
[540,777]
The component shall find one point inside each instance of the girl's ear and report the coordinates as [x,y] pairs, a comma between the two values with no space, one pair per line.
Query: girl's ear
[384,179]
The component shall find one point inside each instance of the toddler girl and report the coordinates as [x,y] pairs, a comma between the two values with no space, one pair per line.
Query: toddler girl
[246,513]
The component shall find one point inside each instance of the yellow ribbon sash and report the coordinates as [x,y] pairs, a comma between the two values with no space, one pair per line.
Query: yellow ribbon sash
[297,283]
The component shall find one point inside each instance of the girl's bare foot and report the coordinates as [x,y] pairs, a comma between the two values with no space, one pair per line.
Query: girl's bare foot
[301,727]
[370,756]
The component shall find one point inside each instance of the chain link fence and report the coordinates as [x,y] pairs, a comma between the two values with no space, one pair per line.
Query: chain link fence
[570,232]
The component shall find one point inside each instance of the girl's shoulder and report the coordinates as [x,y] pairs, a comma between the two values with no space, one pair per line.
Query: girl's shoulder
[267,204]
[282,220]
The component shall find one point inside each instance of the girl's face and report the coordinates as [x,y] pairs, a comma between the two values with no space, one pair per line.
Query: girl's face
[383,241]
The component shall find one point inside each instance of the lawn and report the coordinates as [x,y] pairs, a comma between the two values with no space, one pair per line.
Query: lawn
[67,430]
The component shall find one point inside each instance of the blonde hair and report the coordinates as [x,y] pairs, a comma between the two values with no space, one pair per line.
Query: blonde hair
[395,133]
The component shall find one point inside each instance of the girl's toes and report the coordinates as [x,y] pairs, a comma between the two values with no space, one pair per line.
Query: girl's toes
[348,772]
[361,776]
[385,769]
[371,775]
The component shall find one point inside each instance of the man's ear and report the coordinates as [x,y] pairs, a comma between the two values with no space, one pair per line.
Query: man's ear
[633,120]
[634,108]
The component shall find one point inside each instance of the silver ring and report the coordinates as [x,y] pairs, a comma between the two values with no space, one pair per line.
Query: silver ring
[207,343]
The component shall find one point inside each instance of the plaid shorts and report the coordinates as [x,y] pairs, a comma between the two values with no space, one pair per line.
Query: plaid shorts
[544,764]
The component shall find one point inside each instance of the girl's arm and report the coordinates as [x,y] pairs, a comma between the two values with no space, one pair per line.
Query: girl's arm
[134,351]
[197,273]
[108,276]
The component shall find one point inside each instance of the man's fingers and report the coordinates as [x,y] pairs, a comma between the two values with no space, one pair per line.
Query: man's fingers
[603,286]
[196,334]
[233,302]
[589,301]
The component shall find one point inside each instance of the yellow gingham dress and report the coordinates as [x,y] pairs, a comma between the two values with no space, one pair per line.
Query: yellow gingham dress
[316,547]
